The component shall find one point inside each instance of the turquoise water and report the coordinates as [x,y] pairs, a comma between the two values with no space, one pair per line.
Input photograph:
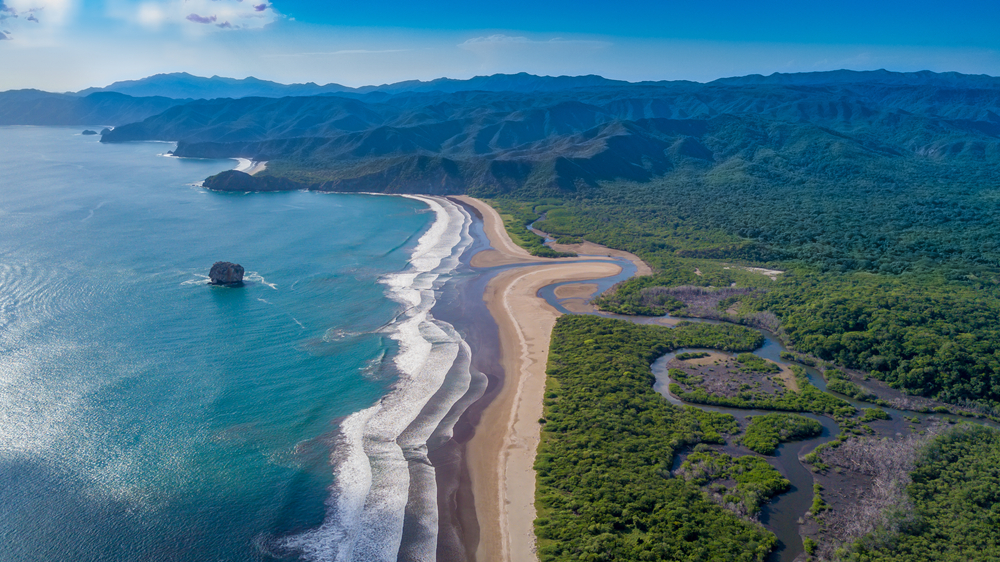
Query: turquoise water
[147,416]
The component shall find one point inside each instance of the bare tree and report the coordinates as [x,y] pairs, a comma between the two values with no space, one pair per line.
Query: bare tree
[702,302]
[882,507]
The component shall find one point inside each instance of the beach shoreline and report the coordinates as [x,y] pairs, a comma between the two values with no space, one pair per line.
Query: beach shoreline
[501,453]
[248,166]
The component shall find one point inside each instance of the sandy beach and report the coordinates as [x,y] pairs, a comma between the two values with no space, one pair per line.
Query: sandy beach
[250,167]
[501,454]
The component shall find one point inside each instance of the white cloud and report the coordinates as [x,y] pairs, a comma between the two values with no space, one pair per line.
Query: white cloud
[150,15]
[196,16]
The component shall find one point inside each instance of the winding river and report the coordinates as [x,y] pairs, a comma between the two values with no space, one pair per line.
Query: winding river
[781,515]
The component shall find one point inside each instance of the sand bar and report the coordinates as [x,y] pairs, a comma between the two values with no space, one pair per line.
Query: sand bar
[506,252]
[575,291]
[592,249]
[501,454]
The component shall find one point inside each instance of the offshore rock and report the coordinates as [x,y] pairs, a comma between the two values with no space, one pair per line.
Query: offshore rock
[226,273]
[88,132]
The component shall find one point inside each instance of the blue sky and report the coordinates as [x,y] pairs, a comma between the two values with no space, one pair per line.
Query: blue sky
[62,45]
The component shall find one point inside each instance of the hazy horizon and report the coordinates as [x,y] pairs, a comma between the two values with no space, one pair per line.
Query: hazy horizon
[320,83]
[70,45]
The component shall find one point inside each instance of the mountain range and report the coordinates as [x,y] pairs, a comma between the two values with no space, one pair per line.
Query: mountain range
[182,85]
[505,133]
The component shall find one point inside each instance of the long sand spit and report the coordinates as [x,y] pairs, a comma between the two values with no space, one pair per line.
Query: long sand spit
[501,454]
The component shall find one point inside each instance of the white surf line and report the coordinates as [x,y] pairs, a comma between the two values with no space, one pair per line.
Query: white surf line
[433,422]
[376,447]
[428,350]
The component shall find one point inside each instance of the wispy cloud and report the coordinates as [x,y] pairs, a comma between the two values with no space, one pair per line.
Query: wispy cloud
[37,11]
[201,19]
[499,41]
[35,20]
[340,52]
[494,39]
[4,36]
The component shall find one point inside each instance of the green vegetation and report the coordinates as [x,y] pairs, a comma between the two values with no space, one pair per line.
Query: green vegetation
[756,480]
[808,399]
[837,382]
[872,414]
[848,388]
[798,358]
[634,298]
[516,216]
[681,376]
[765,432]
[927,337]
[891,271]
[753,364]
[818,504]
[692,355]
[603,466]
[923,334]
[955,492]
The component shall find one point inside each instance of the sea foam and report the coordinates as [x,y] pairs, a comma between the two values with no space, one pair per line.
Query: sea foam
[383,479]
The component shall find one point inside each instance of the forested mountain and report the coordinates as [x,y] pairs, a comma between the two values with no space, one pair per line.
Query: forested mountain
[883,77]
[184,85]
[34,107]
[105,106]
[563,140]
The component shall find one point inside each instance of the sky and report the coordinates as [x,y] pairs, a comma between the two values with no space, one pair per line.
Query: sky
[69,45]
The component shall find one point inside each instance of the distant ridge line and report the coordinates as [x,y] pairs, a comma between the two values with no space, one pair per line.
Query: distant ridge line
[182,85]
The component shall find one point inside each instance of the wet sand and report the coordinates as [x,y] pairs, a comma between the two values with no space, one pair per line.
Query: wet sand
[591,249]
[501,453]
[506,252]
[575,291]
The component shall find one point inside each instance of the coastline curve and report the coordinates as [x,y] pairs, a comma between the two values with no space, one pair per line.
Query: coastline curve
[382,505]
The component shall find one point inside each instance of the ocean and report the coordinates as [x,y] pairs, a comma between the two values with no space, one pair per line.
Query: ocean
[145,415]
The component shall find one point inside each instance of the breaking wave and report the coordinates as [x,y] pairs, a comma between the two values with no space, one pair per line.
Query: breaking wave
[383,503]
